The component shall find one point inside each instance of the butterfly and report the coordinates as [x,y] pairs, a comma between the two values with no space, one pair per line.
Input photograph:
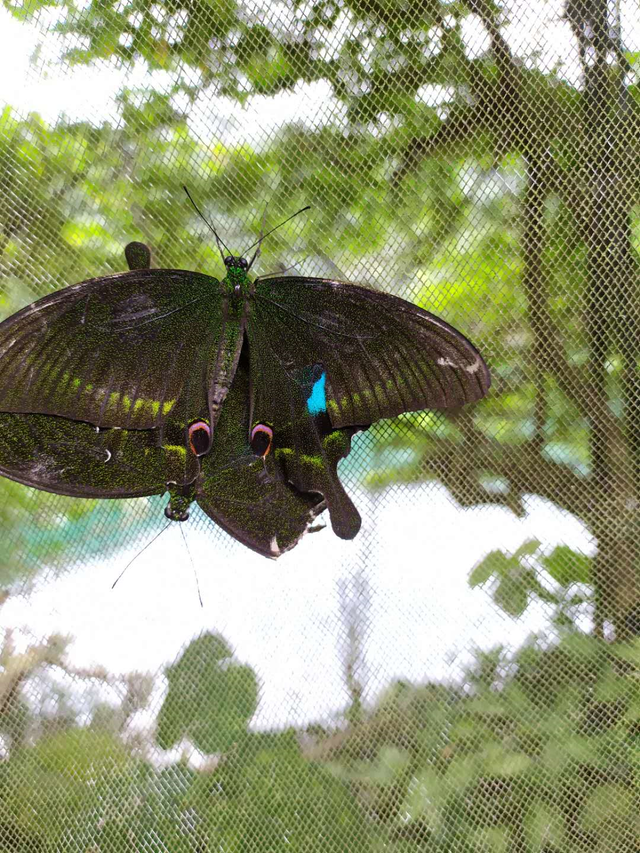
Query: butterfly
[241,394]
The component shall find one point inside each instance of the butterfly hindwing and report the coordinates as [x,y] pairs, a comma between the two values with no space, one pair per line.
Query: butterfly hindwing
[74,458]
[382,355]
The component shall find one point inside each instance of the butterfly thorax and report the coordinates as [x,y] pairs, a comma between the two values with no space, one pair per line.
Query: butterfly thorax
[237,279]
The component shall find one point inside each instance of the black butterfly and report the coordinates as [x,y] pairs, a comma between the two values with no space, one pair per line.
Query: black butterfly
[240,394]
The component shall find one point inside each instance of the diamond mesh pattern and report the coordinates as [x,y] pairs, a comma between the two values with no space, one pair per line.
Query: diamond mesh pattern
[465,674]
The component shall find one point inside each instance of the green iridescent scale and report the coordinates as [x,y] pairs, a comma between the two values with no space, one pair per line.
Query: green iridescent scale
[242,395]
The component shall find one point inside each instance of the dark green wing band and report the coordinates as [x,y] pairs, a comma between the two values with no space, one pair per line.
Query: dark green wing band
[383,355]
[111,351]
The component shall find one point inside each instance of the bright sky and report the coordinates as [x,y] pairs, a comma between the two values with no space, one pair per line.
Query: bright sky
[283,618]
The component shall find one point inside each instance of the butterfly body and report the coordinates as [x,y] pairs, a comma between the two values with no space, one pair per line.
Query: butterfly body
[241,394]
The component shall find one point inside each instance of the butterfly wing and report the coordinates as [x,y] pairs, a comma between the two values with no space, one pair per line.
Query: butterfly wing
[382,355]
[246,494]
[117,351]
[73,458]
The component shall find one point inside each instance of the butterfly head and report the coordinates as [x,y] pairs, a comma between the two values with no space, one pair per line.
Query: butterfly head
[237,268]
[232,262]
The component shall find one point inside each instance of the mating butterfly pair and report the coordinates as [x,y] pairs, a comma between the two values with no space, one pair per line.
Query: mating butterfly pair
[240,394]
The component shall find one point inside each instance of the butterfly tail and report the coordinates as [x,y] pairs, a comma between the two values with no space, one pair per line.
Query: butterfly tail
[345,518]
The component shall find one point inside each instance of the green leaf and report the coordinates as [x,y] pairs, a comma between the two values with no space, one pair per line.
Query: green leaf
[527,549]
[391,763]
[498,761]
[462,771]
[574,748]
[493,839]
[628,651]
[426,797]
[567,566]
[606,807]
[587,648]
[495,564]
[614,686]
[512,595]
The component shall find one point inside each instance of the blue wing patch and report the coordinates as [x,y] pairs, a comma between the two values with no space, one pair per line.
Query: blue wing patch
[317,400]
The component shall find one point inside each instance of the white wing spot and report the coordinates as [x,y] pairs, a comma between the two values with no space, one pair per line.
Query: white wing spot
[108,452]
[469,368]
[446,362]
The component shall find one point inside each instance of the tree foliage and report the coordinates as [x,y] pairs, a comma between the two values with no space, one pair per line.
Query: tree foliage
[536,751]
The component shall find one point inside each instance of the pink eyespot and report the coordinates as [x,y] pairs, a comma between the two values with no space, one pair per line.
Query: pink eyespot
[199,437]
[261,439]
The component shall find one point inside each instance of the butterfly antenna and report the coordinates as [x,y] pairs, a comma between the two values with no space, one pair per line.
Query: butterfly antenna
[284,222]
[256,254]
[192,565]
[219,240]
[151,541]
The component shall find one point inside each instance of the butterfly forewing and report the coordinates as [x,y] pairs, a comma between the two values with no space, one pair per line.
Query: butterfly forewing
[113,351]
[383,355]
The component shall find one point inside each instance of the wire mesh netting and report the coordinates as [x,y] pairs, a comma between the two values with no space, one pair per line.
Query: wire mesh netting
[464,674]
